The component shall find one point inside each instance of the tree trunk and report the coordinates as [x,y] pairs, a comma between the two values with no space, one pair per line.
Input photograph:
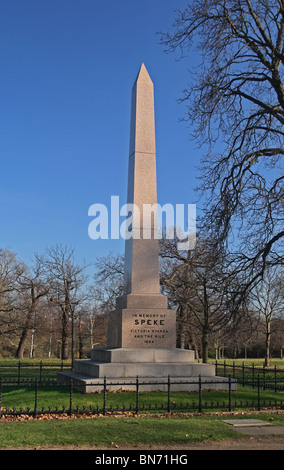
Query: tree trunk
[23,339]
[64,337]
[205,345]
[32,347]
[80,339]
[205,332]
[267,345]
[22,343]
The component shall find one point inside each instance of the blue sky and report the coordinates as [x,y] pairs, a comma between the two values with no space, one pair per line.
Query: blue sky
[67,69]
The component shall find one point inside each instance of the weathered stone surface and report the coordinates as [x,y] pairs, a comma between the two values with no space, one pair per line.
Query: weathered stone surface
[145,369]
[138,328]
[138,301]
[246,422]
[90,384]
[146,355]
[142,317]
[141,253]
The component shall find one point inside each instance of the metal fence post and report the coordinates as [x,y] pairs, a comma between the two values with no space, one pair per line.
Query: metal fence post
[104,406]
[275,378]
[263,369]
[36,396]
[137,394]
[258,393]
[19,372]
[40,370]
[169,394]
[199,394]
[71,397]
[230,394]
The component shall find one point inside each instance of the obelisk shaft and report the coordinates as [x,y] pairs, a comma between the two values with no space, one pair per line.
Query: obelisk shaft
[142,318]
[141,250]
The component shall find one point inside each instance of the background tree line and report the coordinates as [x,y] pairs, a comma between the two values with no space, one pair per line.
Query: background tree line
[53,308]
[213,316]
[47,309]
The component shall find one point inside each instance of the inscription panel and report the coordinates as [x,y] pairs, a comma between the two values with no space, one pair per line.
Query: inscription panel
[149,328]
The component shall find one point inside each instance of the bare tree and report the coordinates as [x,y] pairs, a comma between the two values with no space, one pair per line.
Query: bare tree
[66,279]
[267,298]
[92,329]
[235,105]
[108,281]
[196,281]
[32,289]
[11,270]
[278,334]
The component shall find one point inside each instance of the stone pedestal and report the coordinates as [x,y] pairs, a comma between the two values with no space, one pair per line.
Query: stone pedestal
[153,366]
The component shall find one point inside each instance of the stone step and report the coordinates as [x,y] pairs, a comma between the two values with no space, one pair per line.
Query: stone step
[156,355]
[104,369]
[86,384]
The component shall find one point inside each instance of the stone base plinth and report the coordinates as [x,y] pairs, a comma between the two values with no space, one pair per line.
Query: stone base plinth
[152,366]
[146,384]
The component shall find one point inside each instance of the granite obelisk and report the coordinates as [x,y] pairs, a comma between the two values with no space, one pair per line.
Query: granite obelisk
[142,317]
[142,329]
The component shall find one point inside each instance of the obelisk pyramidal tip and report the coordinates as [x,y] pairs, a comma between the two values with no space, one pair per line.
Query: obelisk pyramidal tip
[143,75]
[142,131]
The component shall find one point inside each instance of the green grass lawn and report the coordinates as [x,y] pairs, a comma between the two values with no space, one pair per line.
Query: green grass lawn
[52,397]
[108,432]
[129,430]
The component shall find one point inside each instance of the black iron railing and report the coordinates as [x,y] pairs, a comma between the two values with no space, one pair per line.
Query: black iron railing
[138,405]
[271,378]
[28,370]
